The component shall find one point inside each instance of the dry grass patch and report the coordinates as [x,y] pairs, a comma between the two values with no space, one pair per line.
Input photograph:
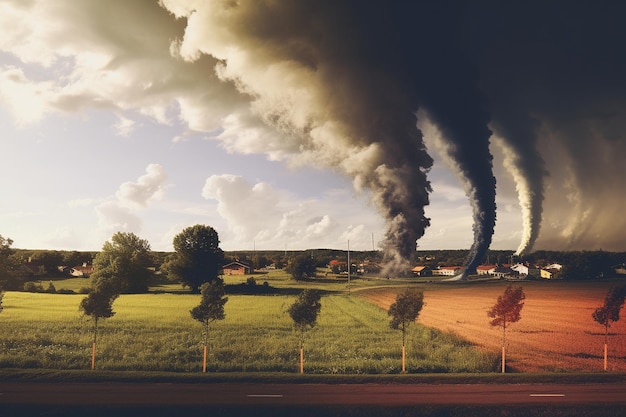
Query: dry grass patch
[556,332]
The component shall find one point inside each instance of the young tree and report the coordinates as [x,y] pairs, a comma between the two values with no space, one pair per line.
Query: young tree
[506,311]
[98,305]
[197,258]
[211,308]
[404,312]
[304,313]
[124,262]
[608,313]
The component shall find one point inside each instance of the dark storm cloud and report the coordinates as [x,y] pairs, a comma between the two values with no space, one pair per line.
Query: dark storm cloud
[364,69]
[554,76]
[339,83]
[342,82]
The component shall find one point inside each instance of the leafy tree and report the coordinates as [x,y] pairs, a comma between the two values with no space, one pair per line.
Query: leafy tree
[10,278]
[506,311]
[124,262]
[260,261]
[301,267]
[609,312]
[211,308]
[74,258]
[197,258]
[1,296]
[304,313]
[98,305]
[49,259]
[404,312]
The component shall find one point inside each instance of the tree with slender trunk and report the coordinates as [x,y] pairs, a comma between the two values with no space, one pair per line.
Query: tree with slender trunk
[506,311]
[304,313]
[404,312]
[211,308]
[608,313]
[98,305]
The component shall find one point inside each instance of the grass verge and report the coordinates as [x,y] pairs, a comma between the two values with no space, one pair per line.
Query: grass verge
[55,375]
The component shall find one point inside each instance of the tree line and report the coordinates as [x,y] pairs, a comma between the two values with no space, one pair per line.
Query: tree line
[577,265]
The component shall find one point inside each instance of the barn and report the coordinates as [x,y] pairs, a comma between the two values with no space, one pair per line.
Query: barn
[237,268]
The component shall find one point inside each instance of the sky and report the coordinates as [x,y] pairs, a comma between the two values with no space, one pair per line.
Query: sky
[311,124]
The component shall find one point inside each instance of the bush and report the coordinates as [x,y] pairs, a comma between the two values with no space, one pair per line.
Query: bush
[31,286]
[251,281]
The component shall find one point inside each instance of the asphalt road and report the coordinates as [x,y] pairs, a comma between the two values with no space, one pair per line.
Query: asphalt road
[57,396]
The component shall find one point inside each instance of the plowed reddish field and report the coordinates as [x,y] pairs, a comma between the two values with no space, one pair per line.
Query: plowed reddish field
[556,332]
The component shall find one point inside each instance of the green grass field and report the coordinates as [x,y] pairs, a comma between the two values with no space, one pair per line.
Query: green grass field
[154,332]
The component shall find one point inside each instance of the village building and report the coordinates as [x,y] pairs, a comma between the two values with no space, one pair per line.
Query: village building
[526,269]
[502,271]
[486,269]
[237,268]
[422,271]
[337,267]
[448,270]
[547,273]
[82,271]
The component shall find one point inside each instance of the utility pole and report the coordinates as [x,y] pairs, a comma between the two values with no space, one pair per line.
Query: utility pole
[349,267]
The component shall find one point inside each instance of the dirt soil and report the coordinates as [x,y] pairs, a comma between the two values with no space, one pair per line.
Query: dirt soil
[555,334]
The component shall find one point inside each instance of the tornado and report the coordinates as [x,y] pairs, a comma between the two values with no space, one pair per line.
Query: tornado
[324,75]
[342,82]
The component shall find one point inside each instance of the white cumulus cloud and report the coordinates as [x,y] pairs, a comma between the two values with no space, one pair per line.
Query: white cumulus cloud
[150,186]
[271,218]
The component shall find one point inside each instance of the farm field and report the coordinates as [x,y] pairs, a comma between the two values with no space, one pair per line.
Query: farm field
[555,334]
[154,332]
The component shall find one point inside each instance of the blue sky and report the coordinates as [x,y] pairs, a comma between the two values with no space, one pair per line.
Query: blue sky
[150,117]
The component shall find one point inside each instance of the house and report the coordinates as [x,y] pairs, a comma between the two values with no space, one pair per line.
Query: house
[502,271]
[337,267]
[368,267]
[422,271]
[520,269]
[486,269]
[526,269]
[237,268]
[548,273]
[448,270]
[83,271]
